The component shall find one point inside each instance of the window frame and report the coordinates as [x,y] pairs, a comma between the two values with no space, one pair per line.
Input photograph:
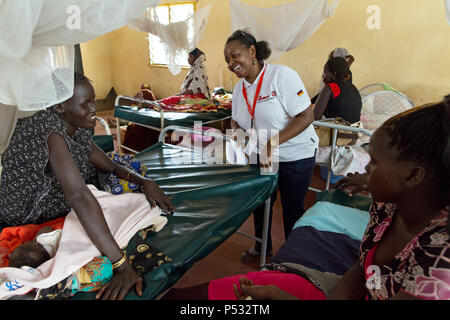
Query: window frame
[160,65]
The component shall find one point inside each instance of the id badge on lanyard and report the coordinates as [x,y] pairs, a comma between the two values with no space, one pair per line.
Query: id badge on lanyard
[253,143]
[251,109]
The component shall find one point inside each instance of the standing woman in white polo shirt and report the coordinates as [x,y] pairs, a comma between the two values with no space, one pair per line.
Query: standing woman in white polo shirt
[284,105]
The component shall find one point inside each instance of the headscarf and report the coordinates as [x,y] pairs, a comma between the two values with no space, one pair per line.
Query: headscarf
[197,79]
[340,52]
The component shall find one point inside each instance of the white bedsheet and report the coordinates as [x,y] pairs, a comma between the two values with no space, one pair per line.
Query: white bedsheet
[346,159]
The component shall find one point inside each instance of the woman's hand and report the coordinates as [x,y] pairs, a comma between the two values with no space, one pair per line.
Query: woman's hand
[353,183]
[156,197]
[123,280]
[266,156]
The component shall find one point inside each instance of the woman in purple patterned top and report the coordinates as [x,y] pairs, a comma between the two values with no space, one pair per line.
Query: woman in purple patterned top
[405,252]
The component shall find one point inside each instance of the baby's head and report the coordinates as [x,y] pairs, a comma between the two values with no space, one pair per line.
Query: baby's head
[411,150]
[30,253]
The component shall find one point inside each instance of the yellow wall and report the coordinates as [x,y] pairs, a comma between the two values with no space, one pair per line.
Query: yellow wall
[97,63]
[410,51]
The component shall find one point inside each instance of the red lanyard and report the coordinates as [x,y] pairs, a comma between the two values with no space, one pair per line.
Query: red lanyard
[255,99]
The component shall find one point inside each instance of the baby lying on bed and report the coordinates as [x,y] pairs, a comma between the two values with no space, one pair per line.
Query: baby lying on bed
[35,252]
[31,254]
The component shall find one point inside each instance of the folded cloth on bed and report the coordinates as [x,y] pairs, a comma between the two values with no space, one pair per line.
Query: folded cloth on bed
[92,276]
[109,182]
[327,216]
[346,159]
[328,236]
[125,214]
[320,250]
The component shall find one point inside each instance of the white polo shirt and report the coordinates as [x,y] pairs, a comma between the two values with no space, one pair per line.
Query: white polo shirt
[282,97]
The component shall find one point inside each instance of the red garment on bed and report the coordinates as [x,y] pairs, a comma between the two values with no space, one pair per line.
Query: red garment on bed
[173,100]
[222,289]
[12,237]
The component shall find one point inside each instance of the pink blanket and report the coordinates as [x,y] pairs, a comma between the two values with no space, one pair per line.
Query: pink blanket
[125,214]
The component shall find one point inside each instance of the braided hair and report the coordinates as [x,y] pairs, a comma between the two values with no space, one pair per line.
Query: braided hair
[247,39]
[422,134]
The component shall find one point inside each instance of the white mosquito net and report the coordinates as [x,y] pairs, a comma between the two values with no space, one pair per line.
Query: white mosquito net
[177,37]
[37,49]
[447,10]
[284,27]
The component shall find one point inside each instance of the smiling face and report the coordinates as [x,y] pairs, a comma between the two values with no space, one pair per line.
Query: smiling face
[80,109]
[240,60]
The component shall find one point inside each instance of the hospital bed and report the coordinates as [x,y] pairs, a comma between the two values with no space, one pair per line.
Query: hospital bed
[159,119]
[328,236]
[380,102]
[212,201]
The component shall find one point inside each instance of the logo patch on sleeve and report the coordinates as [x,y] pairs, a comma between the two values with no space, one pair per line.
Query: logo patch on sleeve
[300,93]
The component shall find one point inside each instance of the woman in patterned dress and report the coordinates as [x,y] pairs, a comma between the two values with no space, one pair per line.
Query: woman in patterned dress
[405,252]
[196,81]
[48,162]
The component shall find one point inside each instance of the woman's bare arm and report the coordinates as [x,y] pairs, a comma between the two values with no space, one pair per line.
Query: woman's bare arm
[322,102]
[91,217]
[351,286]
[154,194]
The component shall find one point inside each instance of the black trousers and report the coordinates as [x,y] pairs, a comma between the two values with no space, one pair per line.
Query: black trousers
[294,178]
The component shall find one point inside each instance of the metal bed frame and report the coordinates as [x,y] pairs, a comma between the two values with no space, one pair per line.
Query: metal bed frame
[335,128]
[159,109]
[263,240]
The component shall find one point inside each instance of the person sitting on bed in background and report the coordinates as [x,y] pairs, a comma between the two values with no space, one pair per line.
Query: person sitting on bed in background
[405,251]
[195,86]
[196,82]
[144,93]
[338,52]
[138,137]
[339,97]
[46,168]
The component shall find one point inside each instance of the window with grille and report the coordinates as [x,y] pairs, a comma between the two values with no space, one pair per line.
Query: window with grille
[169,13]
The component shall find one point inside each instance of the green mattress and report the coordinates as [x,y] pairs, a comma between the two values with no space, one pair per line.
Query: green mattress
[152,118]
[211,203]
